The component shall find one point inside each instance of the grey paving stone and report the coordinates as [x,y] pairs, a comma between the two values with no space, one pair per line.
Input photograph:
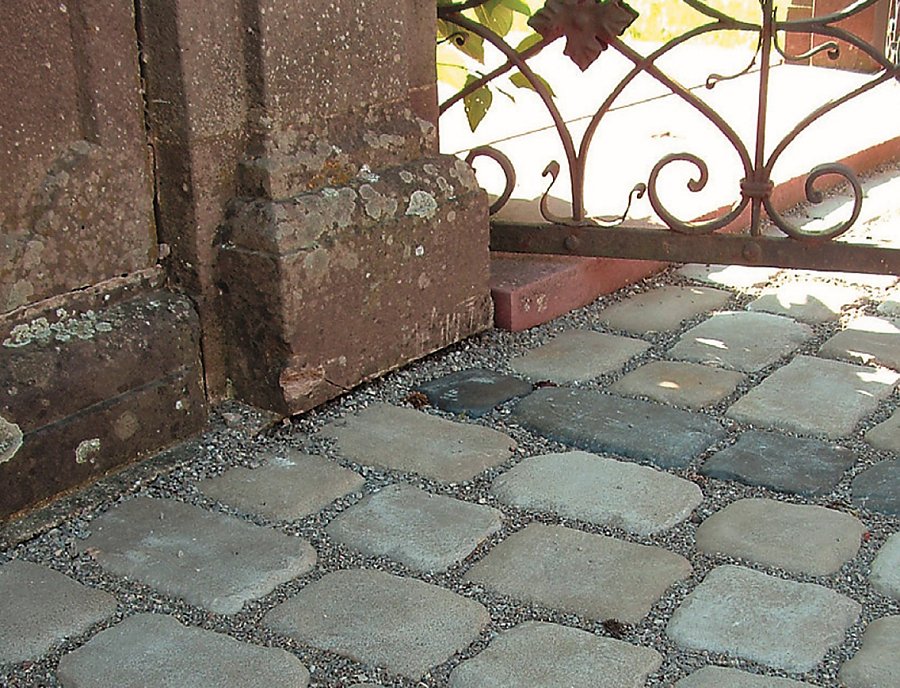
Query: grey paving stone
[741,341]
[662,309]
[578,355]
[638,499]
[890,306]
[678,383]
[473,392]
[886,435]
[721,677]
[815,396]
[423,531]
[877,664]
[401,624]
[784,463]
[156,650]
[41,607]
[735,276]
[885,576]
[406,440]
[878,488]
[866,340]
[810,302]
[548,655]
[593,575]
[289,486]
[215,561]
[605,423]
[748,614]
[794,537]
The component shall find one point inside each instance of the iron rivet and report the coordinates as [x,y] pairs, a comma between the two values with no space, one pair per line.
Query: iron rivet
[752,252]
[572,243]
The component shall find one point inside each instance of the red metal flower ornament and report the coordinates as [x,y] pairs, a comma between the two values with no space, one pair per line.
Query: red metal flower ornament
[588,25]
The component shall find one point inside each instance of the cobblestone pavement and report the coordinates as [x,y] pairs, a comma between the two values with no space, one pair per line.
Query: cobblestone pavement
[694,482]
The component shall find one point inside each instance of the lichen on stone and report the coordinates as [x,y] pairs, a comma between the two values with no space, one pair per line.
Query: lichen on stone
[421,204]
[10,439]
[87,450]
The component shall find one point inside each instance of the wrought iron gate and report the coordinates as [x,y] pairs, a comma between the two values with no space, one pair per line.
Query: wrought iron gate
[592,26]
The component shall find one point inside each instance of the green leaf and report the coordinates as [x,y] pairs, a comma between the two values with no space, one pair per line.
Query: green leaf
[520,81]
[528,41]
[519,6]
[477,103]
[471,45]
[496,16]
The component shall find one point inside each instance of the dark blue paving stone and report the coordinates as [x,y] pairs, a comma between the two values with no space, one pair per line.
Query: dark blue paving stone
[632,428]
[473,392]
[788,464]
[878,488]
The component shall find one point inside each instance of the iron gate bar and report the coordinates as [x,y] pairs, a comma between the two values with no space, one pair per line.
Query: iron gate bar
[643,243]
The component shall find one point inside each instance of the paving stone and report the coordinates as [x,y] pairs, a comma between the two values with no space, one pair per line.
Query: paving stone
[593,575]
[473,392]
[794,537]
[406,440]
[41,607]
[735,340]
[810,302]
[815,396]
[215,561]
[878,488]
[289,486]
[401,624]
[890,306]
[877,664]
[735,276]
[662,309]
[721,677]
[885,576]
[156,650]
[788,464]
[423,531]
[578,355]
[638,499]
[886,435]
[680,384]
[548,655]
[866,340]
[784,624]
[605,423]
[860,279]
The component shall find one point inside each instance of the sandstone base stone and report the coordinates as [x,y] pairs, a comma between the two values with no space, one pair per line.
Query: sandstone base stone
[552,656]
[748,614]
[156,650]
[877,664]
[592,575]
[402,624]
[41,607]
[402,439]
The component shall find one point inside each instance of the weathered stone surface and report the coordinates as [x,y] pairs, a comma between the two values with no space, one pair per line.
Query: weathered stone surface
[878,488]
[632,428]
[794,537]
[92,390]
[767,620]
[885,576]
[423,531]
[662,309]
[534,653]
[578,355]
[809,302]
[212,560]
[406,440]
[402,624]
[866,340]
[473,392]
[734,276]
[42,607]
[815,396]
[733,340]
[156,650]
[638,499]
[781,462]
[592,575]
[876,665]
[720,677]
[679,384]
[289,486]
[886,435]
